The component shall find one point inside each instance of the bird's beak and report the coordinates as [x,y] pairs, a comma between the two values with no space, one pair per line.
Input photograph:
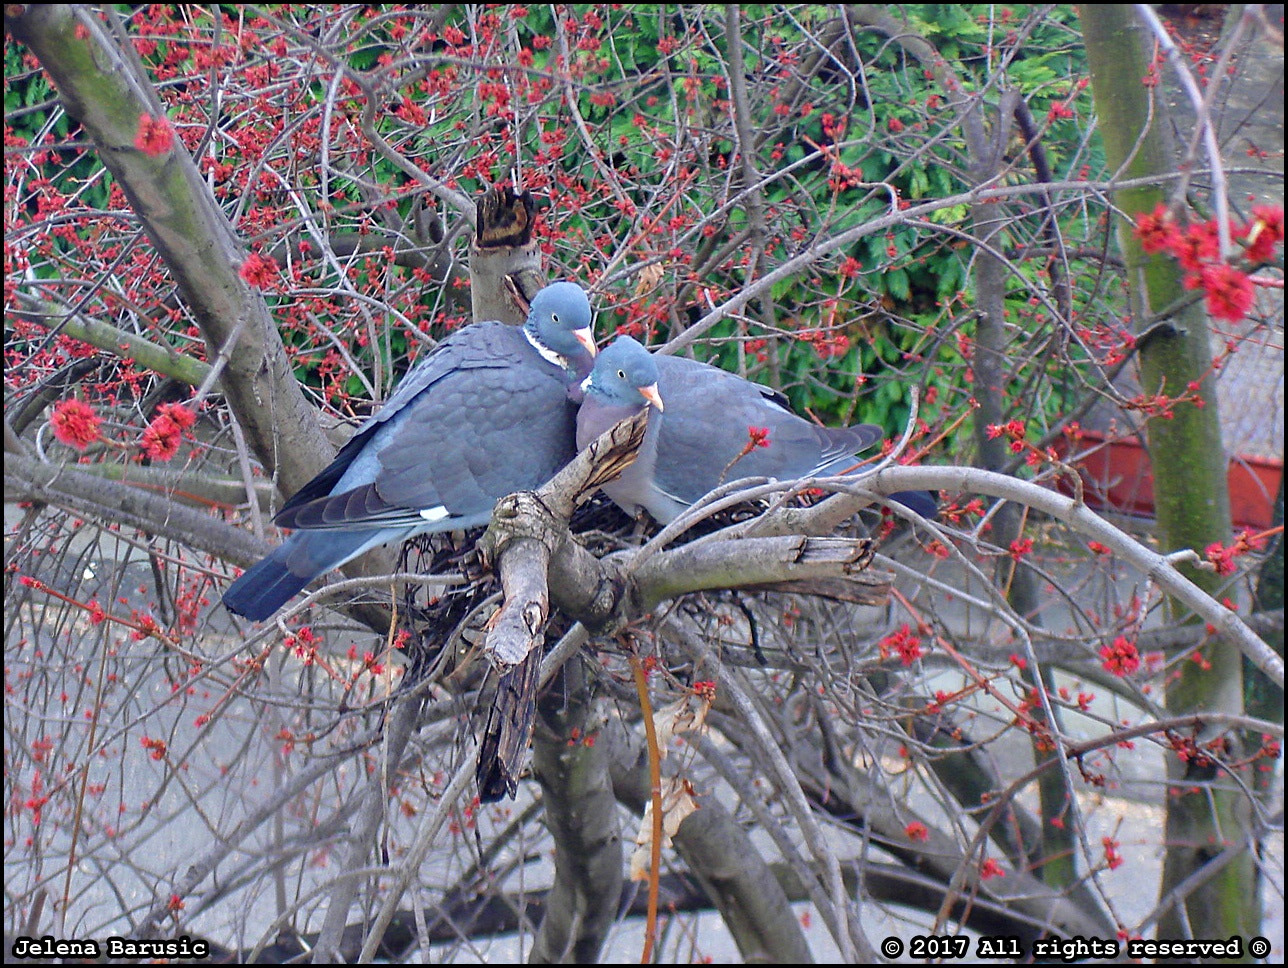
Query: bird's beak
[587,339]
[650,394]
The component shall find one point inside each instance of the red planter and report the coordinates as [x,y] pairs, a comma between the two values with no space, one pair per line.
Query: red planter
[1117,477]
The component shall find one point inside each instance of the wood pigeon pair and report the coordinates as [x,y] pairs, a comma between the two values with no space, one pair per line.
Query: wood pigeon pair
[490,410]
[709,427]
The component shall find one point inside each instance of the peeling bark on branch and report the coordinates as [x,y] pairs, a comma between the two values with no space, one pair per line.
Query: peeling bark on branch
[503,248]
[527,529]
[509,725]
[832,567]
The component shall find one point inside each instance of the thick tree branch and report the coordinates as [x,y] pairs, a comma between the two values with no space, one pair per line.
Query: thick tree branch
[780,563]
[101,92]
[718,851]
[196,489]
[112,339]
[528,528]
[825,516]
[26,478]
[581,813]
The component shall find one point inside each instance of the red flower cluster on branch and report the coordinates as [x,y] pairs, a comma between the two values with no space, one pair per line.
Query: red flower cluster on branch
[903,644]
[1113,854]
[991,868]
[155,136]
[1222,558]
[75,423]
[1227,288]
[917,831]
[1121,658]
[161,437]
[156,747]
[259,271]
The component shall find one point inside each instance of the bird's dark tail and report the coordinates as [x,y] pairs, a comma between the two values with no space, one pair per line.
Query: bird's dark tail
[266,586]
[272,582]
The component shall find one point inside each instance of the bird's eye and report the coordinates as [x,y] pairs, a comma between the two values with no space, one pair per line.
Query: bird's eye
[554,317]
[621,374]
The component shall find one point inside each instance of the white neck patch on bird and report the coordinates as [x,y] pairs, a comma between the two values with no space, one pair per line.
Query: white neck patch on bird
[547,354]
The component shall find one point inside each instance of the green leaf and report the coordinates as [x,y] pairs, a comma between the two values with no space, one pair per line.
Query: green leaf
[896,284]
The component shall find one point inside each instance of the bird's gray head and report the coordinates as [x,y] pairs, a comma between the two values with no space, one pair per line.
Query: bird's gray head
[624,375]
[560,323]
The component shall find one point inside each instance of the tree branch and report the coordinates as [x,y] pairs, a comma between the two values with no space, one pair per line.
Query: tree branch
[101,91]
[825,516]
[26,478]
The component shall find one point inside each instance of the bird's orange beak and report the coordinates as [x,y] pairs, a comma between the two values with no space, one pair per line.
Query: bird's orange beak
[650,394]
[587,339]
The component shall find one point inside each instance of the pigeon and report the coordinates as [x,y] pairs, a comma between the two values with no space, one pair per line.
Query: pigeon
[489,411]
[716,427]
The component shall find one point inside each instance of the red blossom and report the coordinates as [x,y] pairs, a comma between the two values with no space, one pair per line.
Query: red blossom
[938,548]
[1222,558]
[177,412]
[759,436]
[1197,246]
[917,831]
[160,439]
[902,643]
[1228,290]
[1264,232]
[304,644]
[157,747]
[75,423]
[895,125]
[990,868]
[259,271]
[1156,230]
[1112,857]
[1121,658]
[155,136]
[1020,547]
[850,267]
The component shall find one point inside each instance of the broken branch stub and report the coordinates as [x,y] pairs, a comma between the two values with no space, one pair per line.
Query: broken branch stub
[530,526]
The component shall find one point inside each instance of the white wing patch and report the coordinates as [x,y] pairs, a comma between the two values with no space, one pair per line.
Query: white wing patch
[434,513]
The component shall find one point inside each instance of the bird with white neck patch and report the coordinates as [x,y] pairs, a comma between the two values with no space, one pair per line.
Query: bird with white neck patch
[489,411]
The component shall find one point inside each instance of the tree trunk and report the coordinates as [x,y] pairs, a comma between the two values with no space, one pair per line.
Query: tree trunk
[581,813]
[1205,813]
